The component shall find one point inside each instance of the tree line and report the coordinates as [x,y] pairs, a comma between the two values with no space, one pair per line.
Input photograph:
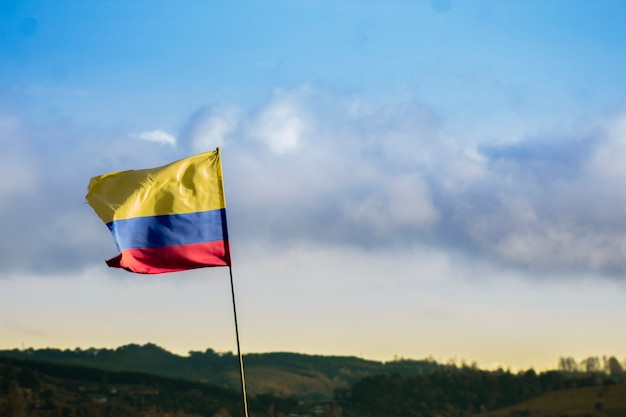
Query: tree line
[35,388]
[460,392]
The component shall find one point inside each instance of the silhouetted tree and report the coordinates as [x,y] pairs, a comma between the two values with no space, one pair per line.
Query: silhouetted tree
[613,367]
[591,365]
[568,364]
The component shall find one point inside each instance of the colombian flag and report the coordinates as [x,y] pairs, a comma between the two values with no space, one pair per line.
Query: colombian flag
[166,219]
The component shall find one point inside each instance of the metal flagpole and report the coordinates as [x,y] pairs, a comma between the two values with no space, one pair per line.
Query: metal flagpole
[241,372]
[232,291]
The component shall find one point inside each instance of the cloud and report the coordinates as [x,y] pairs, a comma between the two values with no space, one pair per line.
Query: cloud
[379,175]
[158,136]
[340,182]
[551,203]
[311,168]
[209,127]
[45,167]
[608,160]
[281,124]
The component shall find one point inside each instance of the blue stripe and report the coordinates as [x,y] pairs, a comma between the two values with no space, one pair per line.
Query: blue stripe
[170,230]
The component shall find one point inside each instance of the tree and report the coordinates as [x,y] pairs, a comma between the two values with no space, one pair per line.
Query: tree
[567,364]
[613,367]
[591,365]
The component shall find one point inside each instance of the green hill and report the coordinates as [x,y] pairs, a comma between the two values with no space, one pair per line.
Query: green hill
[54,383]
[309,377]
[44,389]
[464,392]
[609,401]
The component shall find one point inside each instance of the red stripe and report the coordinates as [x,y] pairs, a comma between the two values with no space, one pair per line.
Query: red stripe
[172,258]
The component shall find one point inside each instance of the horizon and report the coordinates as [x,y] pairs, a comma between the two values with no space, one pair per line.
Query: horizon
[402,179]
[456,362]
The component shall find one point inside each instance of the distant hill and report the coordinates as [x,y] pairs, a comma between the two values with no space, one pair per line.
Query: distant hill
[465,392]
[56,387]
[608,400]
[44,389]
[309,377]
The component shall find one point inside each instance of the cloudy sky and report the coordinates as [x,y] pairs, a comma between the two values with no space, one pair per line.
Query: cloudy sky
[403,178]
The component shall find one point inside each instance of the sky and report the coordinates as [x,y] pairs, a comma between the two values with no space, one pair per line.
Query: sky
[404,179]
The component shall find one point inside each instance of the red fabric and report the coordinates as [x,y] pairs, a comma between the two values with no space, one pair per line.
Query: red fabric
[172,258]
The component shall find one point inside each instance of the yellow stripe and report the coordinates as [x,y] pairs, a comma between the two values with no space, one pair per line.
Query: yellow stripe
[187,186]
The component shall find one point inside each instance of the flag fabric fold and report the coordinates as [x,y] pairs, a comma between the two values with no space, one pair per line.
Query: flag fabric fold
[166,219]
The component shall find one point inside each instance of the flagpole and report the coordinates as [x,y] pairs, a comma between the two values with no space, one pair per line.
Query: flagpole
[241,372]
[232,289]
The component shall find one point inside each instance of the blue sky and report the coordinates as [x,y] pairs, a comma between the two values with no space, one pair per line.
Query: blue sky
[403,178]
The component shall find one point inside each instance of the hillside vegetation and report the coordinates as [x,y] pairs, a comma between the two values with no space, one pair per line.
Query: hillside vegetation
[464,392]
[309,377]
[609,401]
[137,381]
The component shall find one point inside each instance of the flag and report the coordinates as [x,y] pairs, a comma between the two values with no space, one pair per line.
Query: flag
[166,219]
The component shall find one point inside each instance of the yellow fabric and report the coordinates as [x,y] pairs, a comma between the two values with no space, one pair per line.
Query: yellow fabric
[187,186]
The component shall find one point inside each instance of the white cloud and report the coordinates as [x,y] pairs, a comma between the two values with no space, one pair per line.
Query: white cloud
[608,161]
[370,175]
[551,204]
[314,168]
[158,136]
[281,125]
[210,129]
[392,209]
